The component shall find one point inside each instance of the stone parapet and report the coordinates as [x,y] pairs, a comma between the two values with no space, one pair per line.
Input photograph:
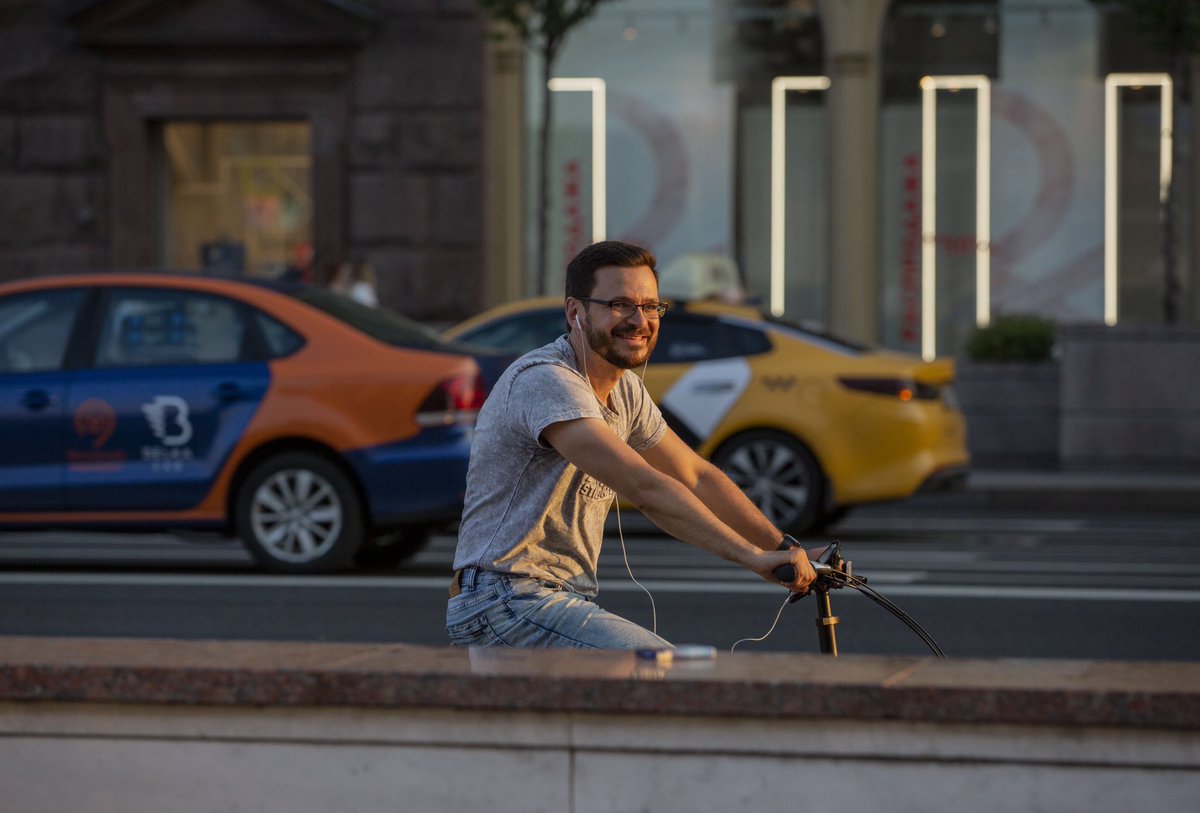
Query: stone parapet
[1057,693]
[191,727]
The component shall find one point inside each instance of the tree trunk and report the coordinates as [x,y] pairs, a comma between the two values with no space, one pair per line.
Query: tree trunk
[543,163]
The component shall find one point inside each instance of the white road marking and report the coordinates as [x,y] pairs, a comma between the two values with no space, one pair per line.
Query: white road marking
[440,583]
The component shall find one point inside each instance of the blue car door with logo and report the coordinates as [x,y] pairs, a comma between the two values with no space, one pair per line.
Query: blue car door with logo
[173,369]
[35,329]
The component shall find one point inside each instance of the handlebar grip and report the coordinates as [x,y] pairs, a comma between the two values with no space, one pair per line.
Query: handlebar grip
[785,573]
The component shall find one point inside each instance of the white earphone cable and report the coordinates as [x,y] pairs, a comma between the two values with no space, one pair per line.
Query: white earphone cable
[616,502]
[767,635]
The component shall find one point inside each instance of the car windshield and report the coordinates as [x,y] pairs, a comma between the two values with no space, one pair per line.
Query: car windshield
[378,323]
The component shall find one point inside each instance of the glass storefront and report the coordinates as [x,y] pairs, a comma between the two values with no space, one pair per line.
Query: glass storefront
[689,166]
[235,196]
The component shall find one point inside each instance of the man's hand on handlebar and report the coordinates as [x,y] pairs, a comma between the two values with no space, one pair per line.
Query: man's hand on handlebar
[797,559]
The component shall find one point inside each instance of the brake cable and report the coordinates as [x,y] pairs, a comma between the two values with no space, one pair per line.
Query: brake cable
[833,573]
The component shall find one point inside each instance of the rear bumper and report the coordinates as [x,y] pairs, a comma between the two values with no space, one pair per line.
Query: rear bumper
[422,479]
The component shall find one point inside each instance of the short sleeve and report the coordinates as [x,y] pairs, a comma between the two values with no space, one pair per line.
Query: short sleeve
[545,394]
[647,426]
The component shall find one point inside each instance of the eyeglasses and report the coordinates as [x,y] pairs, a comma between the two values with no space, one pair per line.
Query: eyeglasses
[623,308]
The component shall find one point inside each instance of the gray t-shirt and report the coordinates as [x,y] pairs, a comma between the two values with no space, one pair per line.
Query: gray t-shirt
[527,510]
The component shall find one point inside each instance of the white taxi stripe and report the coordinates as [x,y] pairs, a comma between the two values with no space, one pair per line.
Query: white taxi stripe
[703,396]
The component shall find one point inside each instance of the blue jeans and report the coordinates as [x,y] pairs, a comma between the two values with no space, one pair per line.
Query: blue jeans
[499,609]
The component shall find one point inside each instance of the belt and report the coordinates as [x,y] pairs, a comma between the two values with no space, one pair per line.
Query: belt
[456,583]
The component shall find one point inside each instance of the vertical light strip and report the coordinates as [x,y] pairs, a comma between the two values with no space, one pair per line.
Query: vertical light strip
[779,87]
[930,85]
[983,204]
[928,219]
[597,88]
[1111,175]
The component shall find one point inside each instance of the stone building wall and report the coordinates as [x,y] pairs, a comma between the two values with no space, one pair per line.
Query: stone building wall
[52,157]
[411,157]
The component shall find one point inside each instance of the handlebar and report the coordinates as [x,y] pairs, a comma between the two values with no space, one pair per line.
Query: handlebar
[787,573]
[828,563]
[835,572]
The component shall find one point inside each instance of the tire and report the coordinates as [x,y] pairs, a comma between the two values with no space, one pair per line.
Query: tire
[779,475]
[299,513]
[393,547]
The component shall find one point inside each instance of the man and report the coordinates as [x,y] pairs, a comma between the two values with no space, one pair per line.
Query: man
[565,427]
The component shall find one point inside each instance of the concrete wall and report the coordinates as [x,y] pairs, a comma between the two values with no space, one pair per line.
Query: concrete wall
[1130,397]
[146,726]
[1125,397]
[1012,413]
[148,759]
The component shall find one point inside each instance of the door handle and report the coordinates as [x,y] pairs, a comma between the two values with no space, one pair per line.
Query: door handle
[36,400]
[712,387]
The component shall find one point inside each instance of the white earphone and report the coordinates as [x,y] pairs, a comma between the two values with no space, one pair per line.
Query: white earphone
[577,325]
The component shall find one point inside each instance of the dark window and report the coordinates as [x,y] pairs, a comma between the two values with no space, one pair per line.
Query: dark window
[520,334]
[750,342]
[154,326]
[378,323]
[938,37]
[280,339]
[35,329]
[684,338]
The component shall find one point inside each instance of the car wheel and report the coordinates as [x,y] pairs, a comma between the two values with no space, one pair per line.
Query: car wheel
[393,547]
[298,513]
[779,475]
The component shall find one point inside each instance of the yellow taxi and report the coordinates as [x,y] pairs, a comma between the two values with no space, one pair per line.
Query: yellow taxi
[806,423]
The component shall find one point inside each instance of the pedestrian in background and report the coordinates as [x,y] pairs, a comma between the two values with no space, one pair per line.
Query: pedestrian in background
[356,279]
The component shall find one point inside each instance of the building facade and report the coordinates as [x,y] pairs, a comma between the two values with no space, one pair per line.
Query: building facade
[900,170]
[791,137]
[247,137]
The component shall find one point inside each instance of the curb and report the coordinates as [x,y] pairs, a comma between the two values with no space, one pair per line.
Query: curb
[1090,492]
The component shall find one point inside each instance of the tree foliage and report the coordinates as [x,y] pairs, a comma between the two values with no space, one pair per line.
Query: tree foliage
[543,25]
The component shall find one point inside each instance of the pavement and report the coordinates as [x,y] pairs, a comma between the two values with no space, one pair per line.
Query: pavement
[1046,490]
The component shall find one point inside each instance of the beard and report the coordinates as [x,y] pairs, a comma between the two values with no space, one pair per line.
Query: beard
[605,346]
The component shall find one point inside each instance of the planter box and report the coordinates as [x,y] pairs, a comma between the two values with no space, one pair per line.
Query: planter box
[1012,412]
[1130,397]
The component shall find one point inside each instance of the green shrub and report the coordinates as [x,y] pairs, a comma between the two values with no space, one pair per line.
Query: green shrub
[1014,337]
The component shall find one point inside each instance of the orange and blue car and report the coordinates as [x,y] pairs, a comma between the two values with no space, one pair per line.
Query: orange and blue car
[318,430]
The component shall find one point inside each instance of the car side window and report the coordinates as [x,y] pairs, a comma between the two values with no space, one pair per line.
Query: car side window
[749,342]
[520,334]
[36,328]
[684,338]
[280,339]
[157,326]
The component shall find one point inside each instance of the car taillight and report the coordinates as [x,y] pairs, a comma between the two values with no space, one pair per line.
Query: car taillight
[896,387]
[454,400]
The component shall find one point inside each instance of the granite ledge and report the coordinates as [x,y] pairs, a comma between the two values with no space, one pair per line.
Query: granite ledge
[777,686]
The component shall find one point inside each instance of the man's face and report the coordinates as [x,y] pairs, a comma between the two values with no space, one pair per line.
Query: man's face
[622,342]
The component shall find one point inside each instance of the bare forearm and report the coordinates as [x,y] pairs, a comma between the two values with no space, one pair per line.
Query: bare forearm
[735,509]
[680,513]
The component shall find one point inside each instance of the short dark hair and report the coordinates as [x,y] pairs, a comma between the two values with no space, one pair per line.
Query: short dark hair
[581,271]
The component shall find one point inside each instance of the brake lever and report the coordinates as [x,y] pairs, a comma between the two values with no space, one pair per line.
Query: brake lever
[830,562]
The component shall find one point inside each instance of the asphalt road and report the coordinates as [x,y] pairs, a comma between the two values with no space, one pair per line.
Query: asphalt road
[983,585]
